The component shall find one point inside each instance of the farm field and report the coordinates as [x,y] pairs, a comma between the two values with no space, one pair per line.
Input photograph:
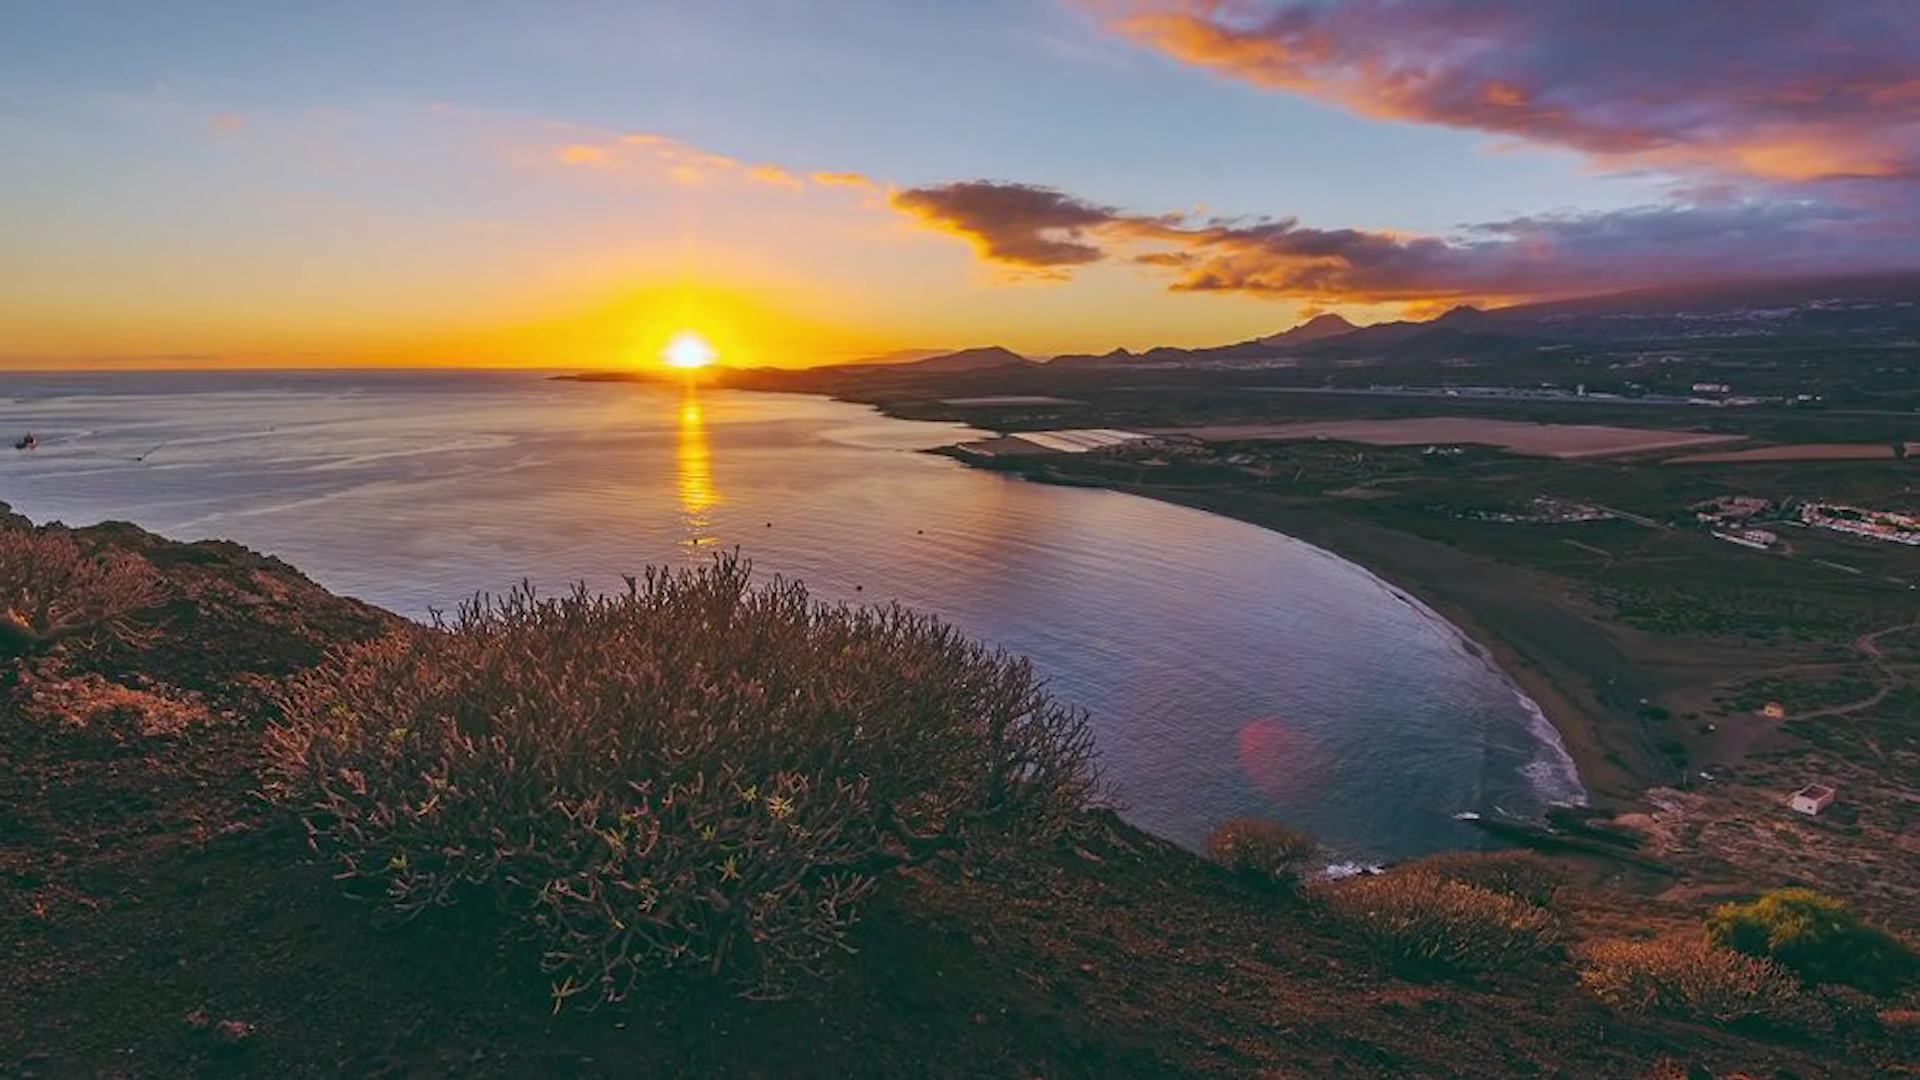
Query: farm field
[1564,441]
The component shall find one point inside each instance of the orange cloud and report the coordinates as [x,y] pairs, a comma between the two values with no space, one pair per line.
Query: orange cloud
[841,179]
[774,176]
[1779,92]
[1045,233]
[661,157]
[229,123]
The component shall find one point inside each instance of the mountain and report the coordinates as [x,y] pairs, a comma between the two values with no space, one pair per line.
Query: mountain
[1318,328]
[991,356]
[898,356]
[1471,320]
[1842,308]
[1112,356]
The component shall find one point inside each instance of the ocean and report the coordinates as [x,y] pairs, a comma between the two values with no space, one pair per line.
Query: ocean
[1229,671]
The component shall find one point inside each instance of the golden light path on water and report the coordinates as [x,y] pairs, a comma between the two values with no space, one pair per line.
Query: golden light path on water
[693,461]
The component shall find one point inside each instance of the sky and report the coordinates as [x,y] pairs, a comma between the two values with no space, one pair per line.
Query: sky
[572,183]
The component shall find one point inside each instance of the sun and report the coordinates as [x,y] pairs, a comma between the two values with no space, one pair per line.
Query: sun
[687,351]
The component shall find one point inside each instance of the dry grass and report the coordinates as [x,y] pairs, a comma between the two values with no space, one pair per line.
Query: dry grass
[91,705]
[1522,875]
[1691,978]
[51,591]
[691,775]
[1263,851]
[1422,922]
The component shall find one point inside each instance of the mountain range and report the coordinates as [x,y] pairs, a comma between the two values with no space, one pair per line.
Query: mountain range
[1852,308]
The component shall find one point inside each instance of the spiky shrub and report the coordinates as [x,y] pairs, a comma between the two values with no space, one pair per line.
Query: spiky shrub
[51,591]
[1423,923]
[1522,875]
[692,774]
[1265,852]
[1694,979]
[1817,936]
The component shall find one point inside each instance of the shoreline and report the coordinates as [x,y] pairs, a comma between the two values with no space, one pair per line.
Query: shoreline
[1552,683]
[1612,763]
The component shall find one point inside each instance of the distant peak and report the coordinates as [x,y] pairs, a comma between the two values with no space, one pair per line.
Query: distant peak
[1330,318]
[1318,328]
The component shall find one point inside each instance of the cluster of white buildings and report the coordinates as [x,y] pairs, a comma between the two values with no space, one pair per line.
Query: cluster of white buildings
[1859,521]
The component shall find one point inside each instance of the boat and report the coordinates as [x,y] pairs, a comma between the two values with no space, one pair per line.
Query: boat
[26,442]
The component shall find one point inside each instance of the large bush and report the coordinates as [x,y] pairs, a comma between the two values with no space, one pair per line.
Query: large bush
[1265,852]
[1422,922]
[51,591]
[1691,978]
[1522,875]
[1818,936]
[693,774]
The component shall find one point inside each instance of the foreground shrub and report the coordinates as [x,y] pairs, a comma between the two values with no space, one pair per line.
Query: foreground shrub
[691,774]
[1690,978]
[1817,936]
[51,591]
[1522,875]
[1266,852]
[1422,922]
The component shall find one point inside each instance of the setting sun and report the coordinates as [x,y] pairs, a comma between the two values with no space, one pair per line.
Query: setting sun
[687,351]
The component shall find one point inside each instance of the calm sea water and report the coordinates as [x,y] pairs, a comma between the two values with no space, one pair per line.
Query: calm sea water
[1229,670]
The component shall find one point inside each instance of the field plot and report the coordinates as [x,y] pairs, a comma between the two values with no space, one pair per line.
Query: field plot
[1564,441]
[1795,452]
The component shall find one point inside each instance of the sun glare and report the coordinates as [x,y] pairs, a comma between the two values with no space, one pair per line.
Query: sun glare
[687,351]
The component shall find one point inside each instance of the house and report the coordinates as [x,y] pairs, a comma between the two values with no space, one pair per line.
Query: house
[1812,799]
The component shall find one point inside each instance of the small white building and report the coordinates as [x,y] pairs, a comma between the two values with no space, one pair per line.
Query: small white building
[1812,799]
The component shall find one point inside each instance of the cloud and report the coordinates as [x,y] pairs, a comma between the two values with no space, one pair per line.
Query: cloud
[227,123]
[774,176]
[842,179]
[1770,89]
[1041,231]
[663,158]
[1016,225]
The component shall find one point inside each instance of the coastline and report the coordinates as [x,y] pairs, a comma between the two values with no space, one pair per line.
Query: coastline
[1514,621]
[1557,656]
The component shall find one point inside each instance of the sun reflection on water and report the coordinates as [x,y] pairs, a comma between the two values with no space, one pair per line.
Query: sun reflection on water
[693,458]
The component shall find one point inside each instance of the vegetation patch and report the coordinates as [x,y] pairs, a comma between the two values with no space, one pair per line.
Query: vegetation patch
[1265,852]
[691,775]
[1819,937]
[51,592]
[1424,923]
[1522,875]
[1693,979]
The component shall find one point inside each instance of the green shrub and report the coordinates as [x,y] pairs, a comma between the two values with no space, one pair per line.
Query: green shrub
[1422,922]
[1690,978]
[693,774]
[1818,936]
[1263,851]
[1522,875]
